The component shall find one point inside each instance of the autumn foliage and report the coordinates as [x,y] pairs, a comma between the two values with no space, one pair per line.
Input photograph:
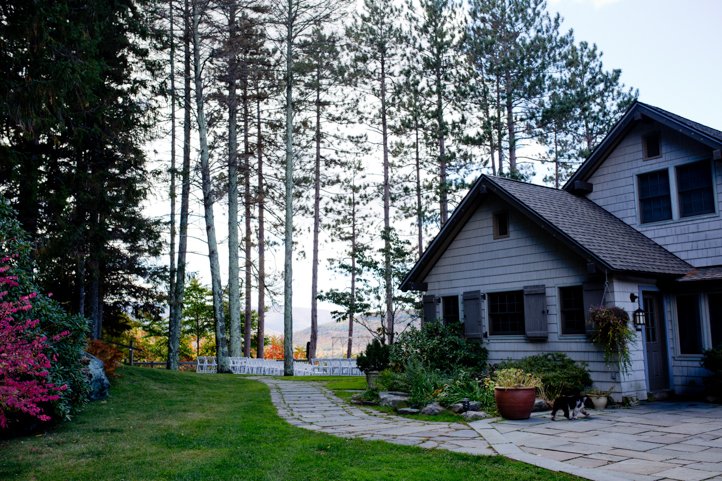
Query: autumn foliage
[110,356]
[24,384]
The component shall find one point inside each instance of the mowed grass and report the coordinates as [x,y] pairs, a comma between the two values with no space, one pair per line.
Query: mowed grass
[161,425]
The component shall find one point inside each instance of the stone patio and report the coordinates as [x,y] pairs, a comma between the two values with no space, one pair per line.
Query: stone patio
[656,441]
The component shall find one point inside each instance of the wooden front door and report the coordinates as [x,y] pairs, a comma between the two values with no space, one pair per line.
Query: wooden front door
[656,341]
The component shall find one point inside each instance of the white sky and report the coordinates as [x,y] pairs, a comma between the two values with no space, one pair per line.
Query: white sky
[668,49]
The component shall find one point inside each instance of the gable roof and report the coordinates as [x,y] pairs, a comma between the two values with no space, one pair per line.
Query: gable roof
[636,112]
[583,226]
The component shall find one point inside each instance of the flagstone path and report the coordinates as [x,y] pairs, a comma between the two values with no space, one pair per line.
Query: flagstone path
[654,442]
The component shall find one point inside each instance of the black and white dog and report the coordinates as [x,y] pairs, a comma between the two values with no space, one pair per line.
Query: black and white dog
[571,405]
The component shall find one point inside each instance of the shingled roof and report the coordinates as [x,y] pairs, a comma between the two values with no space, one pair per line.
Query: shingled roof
[636,112]
[582,225]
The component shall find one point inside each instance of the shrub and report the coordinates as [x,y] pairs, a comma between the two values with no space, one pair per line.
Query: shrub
[374,358]
[513,377]
[439,347]
[25,387]
[559,374]
[712,361]
[65,334]
[110,356]
[391,381]
[462,386]
[422,384]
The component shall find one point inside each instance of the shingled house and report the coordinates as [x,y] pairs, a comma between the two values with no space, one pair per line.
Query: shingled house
[520,264]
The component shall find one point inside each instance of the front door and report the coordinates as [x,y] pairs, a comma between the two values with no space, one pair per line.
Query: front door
[656,340]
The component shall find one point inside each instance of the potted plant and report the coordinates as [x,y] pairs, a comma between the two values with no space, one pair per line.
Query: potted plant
[374,359]
[599,397]
[515,392]
[613,334]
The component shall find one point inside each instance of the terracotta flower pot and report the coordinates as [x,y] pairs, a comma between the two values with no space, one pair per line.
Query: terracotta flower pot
[515,402]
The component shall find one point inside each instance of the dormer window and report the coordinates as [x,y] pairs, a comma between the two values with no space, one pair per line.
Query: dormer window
[651,145]
[501,225]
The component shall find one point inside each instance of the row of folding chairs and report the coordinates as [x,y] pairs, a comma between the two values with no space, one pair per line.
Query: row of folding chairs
[267,367]
[206,365]
[249,365]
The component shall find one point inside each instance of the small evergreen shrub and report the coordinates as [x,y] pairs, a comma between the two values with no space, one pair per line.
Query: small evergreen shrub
[439,347]
[423,384]
[712,361]
[559,374]
[374,358]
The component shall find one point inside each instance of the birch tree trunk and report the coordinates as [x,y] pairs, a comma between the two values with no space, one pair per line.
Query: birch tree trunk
[261,234]
[234,289]
[176,311]
[173,330]
[216,287]
[288,241]
[316,219]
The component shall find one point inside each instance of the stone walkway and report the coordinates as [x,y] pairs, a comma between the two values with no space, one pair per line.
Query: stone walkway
[659,441]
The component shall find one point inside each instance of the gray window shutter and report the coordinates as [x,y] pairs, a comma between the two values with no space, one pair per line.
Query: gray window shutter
[535,312]
[429,309]
[472,314]
[592,297]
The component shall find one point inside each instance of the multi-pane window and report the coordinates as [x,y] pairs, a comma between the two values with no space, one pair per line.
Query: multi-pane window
[688,324]
[694,186]
[506,312]
[655,202]
[571,307]
[450,309]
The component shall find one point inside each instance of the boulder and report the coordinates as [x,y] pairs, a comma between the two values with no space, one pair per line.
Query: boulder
[474,406]
[393,399]
[407,411]
[474,415]
[98,381]
[459,408]
[432,409]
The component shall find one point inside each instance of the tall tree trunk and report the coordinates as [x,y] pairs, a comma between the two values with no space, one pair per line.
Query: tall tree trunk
[389,316]
[510,125]
[176,311]
[499,130]
[441,136]
[234,289]
[419,205]
[261,235]
[352,311]
[247,213]
[316,219]
[216,287]
[288,222]
[173,337]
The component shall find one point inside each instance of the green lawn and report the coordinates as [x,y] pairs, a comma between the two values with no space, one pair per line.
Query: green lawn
[183,426]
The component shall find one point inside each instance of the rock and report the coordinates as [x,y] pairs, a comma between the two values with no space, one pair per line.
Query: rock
[393,399]
[474,415]
[98,381]
[407,411]
[540,405]
[457,408]
[432,409]
[474,406]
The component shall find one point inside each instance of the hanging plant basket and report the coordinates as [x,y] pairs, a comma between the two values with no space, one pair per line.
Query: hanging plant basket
[613,334]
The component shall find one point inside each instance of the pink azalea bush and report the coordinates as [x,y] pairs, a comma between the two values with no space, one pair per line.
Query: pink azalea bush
[24,366]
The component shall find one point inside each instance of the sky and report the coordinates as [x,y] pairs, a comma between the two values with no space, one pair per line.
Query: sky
[668,49]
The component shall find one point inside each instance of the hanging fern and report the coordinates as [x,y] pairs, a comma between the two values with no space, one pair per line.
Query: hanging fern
[613,333]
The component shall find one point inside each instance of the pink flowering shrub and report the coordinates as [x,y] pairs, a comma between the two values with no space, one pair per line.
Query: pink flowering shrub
[24,365]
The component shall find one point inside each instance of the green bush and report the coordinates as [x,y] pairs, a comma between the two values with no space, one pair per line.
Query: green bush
[64,351]
[422,384]
[374,358]
[559,374]
[439,347]
[463,386]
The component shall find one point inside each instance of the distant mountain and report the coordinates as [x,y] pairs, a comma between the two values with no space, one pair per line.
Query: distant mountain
[333,338]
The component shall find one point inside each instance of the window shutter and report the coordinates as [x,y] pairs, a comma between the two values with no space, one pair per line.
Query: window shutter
[429,309]
[535,312]
[592,298]
[472,314]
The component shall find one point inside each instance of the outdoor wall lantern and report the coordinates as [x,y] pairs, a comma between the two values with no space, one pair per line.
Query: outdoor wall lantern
[639,317]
